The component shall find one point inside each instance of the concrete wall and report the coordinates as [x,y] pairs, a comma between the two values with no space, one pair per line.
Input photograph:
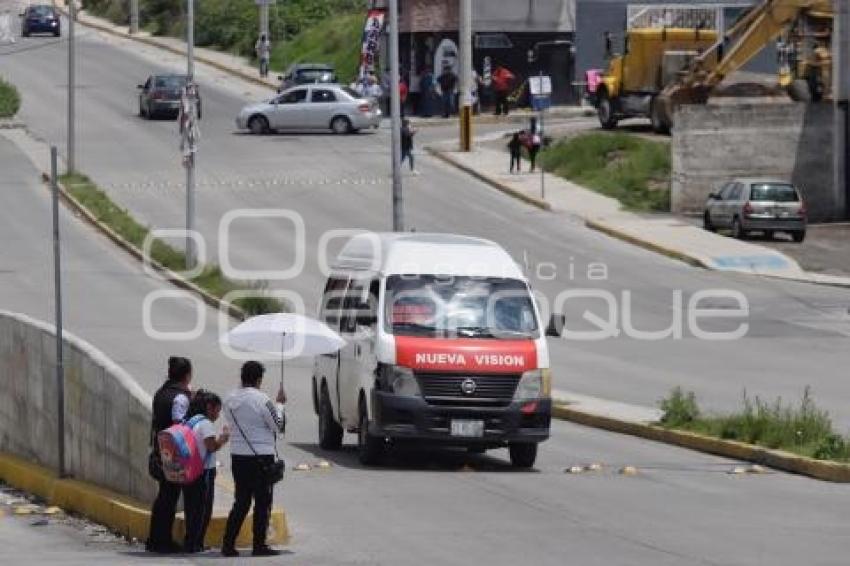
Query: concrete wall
[107,414]
[716,143]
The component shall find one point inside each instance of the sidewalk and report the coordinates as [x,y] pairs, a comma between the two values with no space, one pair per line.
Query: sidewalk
[661,233]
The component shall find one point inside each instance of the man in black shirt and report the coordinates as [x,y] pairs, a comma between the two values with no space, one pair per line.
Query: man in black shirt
[447,81]
[170,404]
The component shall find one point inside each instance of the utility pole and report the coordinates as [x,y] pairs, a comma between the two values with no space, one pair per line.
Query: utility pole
[841,95]
[57,290]
[190,123]
[264,18]
[70,161]
[465,32]
[134,17]
[395,122]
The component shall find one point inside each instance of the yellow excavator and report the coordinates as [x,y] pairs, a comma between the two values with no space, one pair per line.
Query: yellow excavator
[666,67]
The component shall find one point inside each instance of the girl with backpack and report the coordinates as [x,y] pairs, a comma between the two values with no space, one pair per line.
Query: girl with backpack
[199,495]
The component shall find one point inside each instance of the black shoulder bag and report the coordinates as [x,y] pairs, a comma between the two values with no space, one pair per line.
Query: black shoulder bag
[271,472]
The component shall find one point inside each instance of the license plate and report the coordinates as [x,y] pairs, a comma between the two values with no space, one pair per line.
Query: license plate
[467,428]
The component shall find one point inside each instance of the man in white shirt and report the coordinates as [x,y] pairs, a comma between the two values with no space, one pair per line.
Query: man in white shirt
[255,422]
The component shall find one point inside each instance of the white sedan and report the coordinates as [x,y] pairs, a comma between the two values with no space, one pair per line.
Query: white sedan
[311,107]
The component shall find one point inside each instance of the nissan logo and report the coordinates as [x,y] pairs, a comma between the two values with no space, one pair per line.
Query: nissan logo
[468,386]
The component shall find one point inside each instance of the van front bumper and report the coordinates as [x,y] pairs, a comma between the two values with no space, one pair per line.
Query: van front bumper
[412,418]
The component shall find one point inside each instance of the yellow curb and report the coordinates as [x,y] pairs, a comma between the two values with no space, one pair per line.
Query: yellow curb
[170,276]
[669,252]
[534,201]
[121,514]
[777,459]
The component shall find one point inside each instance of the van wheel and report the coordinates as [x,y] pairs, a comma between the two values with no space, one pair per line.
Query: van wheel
[605,111]
[523,454]
[369,448]
[799,236]
[330,433]
[706,222]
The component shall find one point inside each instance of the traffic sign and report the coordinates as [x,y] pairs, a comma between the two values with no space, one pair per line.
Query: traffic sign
[540,85]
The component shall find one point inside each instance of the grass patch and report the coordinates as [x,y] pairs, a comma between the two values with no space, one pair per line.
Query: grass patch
[631,169]
[211,279]
[335,41]
[803,429]
[10,100]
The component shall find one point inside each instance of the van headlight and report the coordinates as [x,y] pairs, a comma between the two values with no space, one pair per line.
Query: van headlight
[534,384]
[401,381]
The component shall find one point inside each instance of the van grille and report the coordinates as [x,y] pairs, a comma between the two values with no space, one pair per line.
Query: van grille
[445,388]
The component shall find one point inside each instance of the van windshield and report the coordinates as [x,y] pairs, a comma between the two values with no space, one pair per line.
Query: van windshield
[459,306]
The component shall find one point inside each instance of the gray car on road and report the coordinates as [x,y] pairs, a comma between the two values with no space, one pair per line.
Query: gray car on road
[757,205]
[311,107]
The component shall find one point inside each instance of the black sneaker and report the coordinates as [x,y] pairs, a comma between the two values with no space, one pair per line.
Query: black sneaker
[265,551]
[229,551]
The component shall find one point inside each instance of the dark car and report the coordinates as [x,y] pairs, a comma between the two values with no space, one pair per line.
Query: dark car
[307,73]
[160,95]
[40,18]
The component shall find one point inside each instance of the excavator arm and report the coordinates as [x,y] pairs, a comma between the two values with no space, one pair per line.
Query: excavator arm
[757,28]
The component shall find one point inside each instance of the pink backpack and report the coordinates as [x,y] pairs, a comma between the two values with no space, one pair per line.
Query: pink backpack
[181,459]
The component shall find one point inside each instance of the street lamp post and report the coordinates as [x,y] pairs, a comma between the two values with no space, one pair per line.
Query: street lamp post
[395,122]
[465,33]
[190,124]
[70,162]
[57,290]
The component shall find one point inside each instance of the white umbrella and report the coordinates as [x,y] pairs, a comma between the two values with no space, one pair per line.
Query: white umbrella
[283,336]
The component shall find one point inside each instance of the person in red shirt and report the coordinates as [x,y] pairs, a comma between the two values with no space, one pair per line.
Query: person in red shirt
[403,91]
[502,80]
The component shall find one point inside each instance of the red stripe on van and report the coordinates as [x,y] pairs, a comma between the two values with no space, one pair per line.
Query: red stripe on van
[466,354]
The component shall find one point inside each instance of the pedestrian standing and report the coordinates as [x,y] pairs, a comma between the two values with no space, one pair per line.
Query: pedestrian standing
[426,93]
[263,48]
[535,141]
[373,89]
[255,422]
[448,82]
[502,82]
[170,405]
[403,91]
[200,495]
[407,133]
[515,147]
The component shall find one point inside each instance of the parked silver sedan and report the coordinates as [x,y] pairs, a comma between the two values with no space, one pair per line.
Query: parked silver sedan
[311,107]
[757,205]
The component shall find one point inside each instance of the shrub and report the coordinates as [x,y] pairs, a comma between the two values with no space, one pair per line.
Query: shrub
[680,409]
[10,100]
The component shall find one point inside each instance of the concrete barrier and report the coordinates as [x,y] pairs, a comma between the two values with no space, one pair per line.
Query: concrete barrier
[107,414]
[107,433]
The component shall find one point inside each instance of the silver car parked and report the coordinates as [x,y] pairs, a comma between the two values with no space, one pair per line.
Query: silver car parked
[757,205]
[311,107]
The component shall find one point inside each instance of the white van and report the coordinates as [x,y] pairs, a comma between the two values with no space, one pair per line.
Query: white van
[443,344]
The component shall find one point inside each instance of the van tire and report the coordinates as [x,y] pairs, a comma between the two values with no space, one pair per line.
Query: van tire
[330,433]
[523,454]
[799,236]
[369,448]
[738,229]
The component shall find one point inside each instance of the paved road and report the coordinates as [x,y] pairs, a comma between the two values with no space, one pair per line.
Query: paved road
[440,508]
[798,333]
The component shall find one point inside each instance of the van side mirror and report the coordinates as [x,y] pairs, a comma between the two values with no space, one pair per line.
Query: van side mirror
[556,325]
